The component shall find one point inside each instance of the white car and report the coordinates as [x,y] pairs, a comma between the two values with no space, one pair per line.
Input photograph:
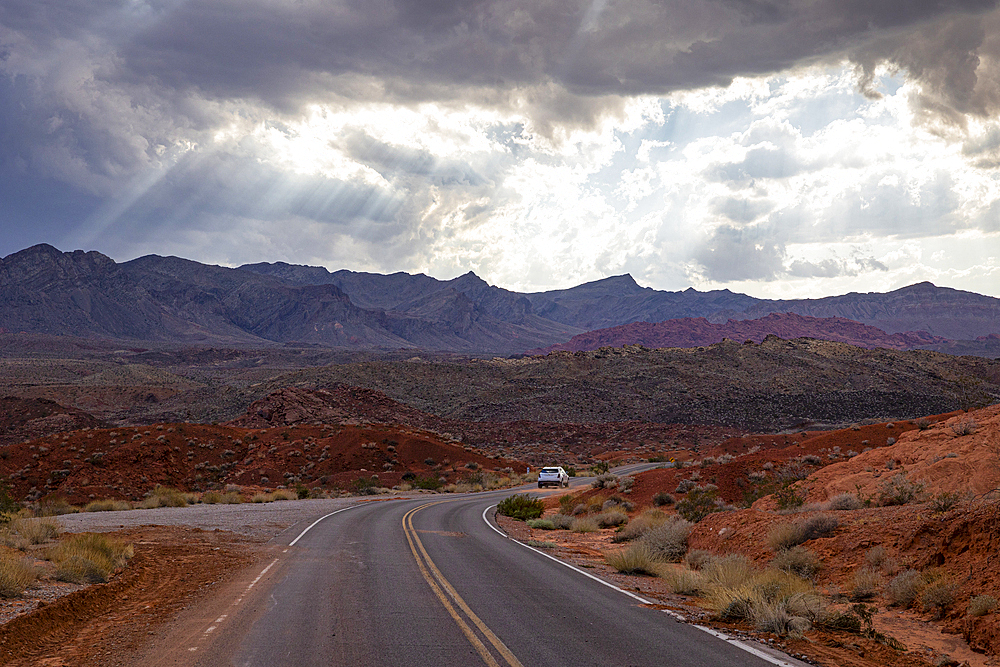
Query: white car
[552,477]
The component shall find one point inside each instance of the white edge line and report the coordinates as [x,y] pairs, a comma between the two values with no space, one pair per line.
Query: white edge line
[715,633]
[310,526]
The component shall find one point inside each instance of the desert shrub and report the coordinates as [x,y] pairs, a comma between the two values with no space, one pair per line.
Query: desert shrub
[661,498]
[639,526]
[820,525]
[789,497]
[262,498]
[636,558]
[284,494]
[698,558]
[583,524]
[164,496]
[964,427]
[521,506]
[668,542]
[898,490]
[923,423]
[543,524]
[946,500]
[428,483]
[600,468]
[221,498]
[106,505]
[810,460]
[699,503]
[798,561]
[904,588]
[844,502]
[561,521]
[566,504]
[16,574]
[35,531]
[938,596]
[605,481]
[876,555]
[982,605]
[683,582]
[617,502]
[89,558]
[611,519]
[685,485]
[772,600]
[541,544]
[866,584]
[625,484]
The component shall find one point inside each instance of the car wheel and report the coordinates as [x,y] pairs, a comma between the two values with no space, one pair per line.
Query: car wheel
[566,484]
[540,485]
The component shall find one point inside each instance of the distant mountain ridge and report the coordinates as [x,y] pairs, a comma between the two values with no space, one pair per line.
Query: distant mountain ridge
[169,299]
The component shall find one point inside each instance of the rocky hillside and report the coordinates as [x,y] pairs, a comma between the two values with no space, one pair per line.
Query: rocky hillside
[695,332]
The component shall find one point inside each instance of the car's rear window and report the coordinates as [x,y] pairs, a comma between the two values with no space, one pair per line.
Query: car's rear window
[550,469]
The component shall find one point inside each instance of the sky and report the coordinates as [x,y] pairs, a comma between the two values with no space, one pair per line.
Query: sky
[779,148]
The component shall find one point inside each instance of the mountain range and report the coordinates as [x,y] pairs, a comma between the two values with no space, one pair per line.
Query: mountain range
[179,301]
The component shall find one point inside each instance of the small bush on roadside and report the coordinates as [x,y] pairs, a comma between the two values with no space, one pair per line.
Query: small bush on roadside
[521,506]
[639,526]
[661,498]
[982,605]
[866,584]
[904,588]
[106,505]
[542,524]
[35,531]
[561,521]
[798,561]
[625,484]
[683,582]
[898,490]
[89,558]
[164,496]
[16,574]
[220,498]
[727,571]
[668,542]
[782,536]
[262,498]
[605,481]
[56,507]
[636,558]
[584,524]
[611,519]
[428,483]
[283,494]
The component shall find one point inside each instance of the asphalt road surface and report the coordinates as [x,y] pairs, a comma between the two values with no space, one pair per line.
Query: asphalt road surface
[431,581]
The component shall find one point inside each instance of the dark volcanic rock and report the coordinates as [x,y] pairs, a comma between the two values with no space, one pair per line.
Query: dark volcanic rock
[692,332]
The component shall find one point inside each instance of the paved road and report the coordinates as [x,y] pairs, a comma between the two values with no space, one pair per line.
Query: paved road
[430,582]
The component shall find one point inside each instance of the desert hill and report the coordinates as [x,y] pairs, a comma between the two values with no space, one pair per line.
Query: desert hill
[694,332]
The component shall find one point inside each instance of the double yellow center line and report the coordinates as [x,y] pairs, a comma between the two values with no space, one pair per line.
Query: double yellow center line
[444,590]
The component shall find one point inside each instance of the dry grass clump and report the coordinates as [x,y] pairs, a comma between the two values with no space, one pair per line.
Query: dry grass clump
[284,494]
[107,505]
[798,561]
[221,498]
[727,571]
[668,542]
[542,524]
[866,584]
[89,558]
[698,558]
[784,536]
[583,524]
[905,587]
[164,496]
[683,582]
[774,601]
[561,521]
[636,558]
[35,531]
[982,605]
[16,574]
[899,490]
[640,525]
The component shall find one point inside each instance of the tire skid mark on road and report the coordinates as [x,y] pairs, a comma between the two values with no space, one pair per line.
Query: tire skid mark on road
[439,585]
[680,617]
